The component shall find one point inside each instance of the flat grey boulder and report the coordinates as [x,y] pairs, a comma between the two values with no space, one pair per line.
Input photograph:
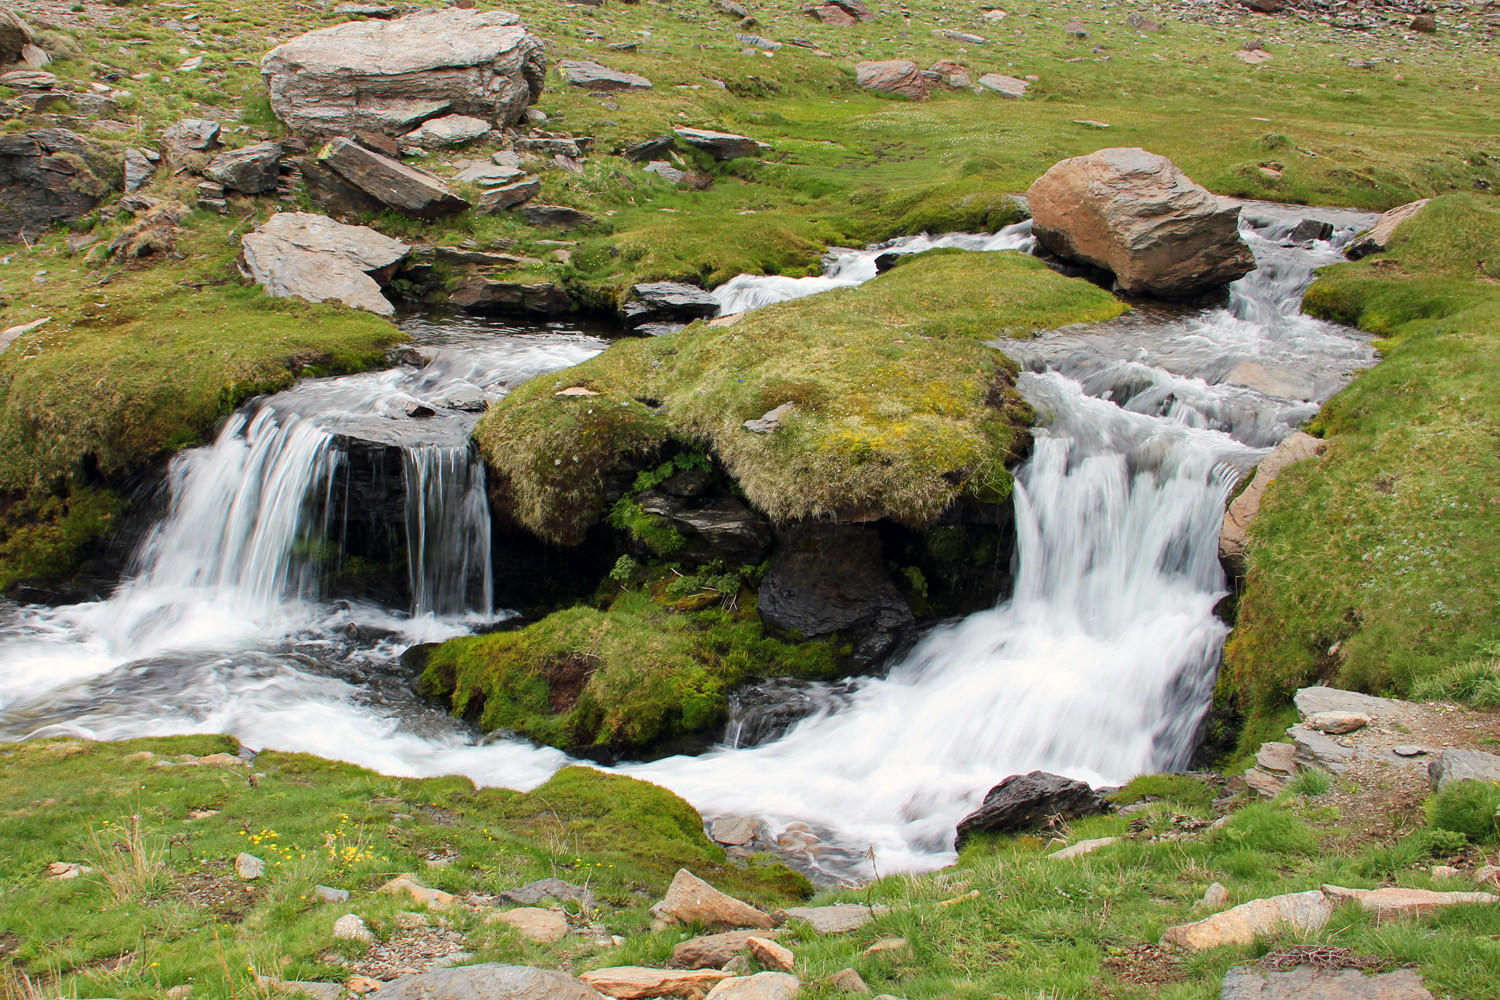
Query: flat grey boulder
[1005,86]
[447,131]
[1133,213]
[1319,751]
[719,145]
[556,216]
[1308,983]
[312,257]
[1463,765]
[490,981]
[839,918]
[504,196]
[51,175]
[420,194]
[1035,801]
[388,77]
[251,170]
[593,76]
[667,301]
[1312,701]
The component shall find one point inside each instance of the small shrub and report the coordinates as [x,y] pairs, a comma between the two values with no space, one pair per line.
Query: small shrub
[127,859]
[1467,808]
[1310,784]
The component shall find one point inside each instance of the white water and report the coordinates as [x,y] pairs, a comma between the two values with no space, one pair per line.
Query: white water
[1099,667]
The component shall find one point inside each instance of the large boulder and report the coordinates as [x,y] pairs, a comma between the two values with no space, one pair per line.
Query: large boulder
[1463,765]
[51,175]
[1306,982]
[593,76]
[490,981]
[388,77]
[1035,801]
[391,183]
[897,77]
[719,145]
[1135,214]
[296,255]
[670,302]
[251,170]
[188,138]
[832,578]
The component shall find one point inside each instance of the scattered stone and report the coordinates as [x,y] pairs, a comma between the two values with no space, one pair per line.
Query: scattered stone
[695,179]
[1081,848]
[1311,701]
[1279,757]
[592,76]
[714,951]
[648,150]
[446,132]
[408,190]
[557,216]
[211,197]
[64,870]
[1306,982]
[488,174]
[756,41]
[770,421]
[897,77]
[1302,912]
[379,11]
[1253,57]
[1309,230]
[634,982]
[435,898]
[533,893]
[1445,871]
[772,956]
[331,895]
[387,77]
[856,9]
[1075,28]
[1215,897]
[1424,23]
[534,923]
[15,36]
[51,175]
[761,986]
[1394,902]
[1142,23]
[1408,750]
[690,900]
[719,145]
[350,927]
[839,918]
[190,136]
[1134,213]
[849,981]
[138,170]
[960,36]
[1035,801]
[248,866]
[491,981]
[887,945]
[1338,723]
[507,196]
[736,830]
[1380,234]
[835,15]
[311,257]
[251,170]
[1320,752]
[483,295]
[731,8]
[667,301]
[1005,86]
[953,74]
[576,390]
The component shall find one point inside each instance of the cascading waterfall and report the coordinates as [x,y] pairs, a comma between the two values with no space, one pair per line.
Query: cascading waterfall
[1100,666]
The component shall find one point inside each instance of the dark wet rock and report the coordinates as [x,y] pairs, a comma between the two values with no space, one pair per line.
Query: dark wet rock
[731,8]
[388,77]
[718,528]
[897,77]
[667,302]
[408,190]
[757,42]
[856,9]
[1005,86]
[1027,802]
[490,981]
[832,578]
[481,295]
[1135,214]
[589,75]
[1310,229]
[189,137]
[311,257]
[251,170]
[1424,23]
[557,216]
[695,179]
[641,152]
[835,15]
[962,37]
[719,145]
[51,175]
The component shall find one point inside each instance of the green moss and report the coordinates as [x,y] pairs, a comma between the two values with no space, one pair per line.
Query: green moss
[650,668]
[1376,567]
[44,538]
[901,407]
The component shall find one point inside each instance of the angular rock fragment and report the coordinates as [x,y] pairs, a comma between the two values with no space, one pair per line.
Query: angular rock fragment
[490,981]
[1380,234]
[251,170]
[446,132]
[690,900]
[51,175]
[592,76]
[634,982]
[408,190]
[897,77]
[311,257]
[719,145]
[1035,801]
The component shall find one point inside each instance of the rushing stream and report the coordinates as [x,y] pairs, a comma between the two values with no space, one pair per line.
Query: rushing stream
[1100,666]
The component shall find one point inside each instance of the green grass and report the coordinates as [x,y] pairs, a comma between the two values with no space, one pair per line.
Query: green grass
[1470,808]
[901,408]
[657,664]
[1375,568]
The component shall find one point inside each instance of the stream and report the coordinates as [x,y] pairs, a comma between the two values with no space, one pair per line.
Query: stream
[1100,666]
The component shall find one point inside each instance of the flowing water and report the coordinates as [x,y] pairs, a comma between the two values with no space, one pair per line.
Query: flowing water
[1100,666]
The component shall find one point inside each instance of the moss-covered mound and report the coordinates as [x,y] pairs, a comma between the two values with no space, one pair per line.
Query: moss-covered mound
[900,407]
[655,664]
[1379,566]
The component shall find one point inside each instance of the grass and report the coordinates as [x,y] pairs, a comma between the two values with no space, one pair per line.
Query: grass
[657,664]
[1470,808]
[901,407]
[1374,568]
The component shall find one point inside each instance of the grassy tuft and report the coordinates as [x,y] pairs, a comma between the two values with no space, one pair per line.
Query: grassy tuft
[1470,808]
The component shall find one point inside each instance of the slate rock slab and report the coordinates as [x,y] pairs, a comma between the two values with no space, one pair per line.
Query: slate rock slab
[1024,802]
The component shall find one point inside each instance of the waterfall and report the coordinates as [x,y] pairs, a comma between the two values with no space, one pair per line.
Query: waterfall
[447,531]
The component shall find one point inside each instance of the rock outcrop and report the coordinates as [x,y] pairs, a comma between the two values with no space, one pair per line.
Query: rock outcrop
[1463,765]
[388,77]
[690,900]
[897,77]
[251,170]
[385,182]
[1035,801]
[1379,235]
[1297,447]
[658,307]
[719,145]
[483,295]
[712,528]
[297,255]
[1133,213]
[51,175]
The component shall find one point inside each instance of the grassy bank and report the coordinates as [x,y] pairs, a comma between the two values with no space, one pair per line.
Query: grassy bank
[1374,568]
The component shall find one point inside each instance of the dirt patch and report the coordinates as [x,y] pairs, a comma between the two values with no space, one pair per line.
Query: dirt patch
[219,892]
[1322,957]
[1145,965]
[416,946]
[566,678]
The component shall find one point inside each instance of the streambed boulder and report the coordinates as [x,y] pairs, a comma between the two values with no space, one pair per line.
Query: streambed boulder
[51,175]
[388,77]
[653,303]
[1135,214]
[1035,801]
[311,257]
